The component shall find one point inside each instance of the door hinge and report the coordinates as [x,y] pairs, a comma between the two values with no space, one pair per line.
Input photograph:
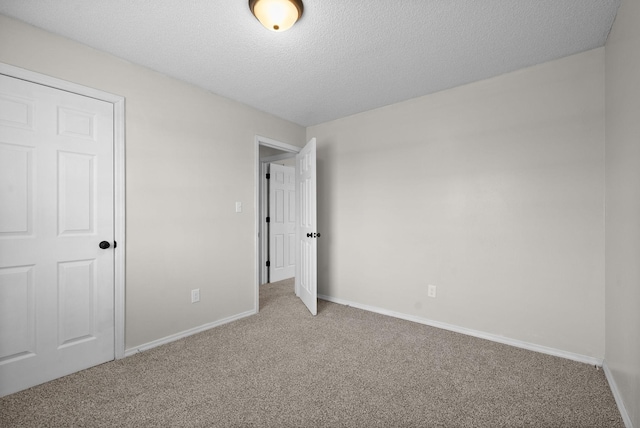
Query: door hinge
[268,263]
[268,219]
[268,176]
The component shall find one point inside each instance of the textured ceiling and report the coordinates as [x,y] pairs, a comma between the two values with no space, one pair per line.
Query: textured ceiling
[341,58]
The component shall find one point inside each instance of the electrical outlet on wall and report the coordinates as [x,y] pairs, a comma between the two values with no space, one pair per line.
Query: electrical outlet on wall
[431,291]
[195,295]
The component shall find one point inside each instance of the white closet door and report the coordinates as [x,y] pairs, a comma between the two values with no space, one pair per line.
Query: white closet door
[56,206]
[282,225]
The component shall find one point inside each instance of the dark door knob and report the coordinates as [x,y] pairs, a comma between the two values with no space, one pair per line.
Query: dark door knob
[104,245]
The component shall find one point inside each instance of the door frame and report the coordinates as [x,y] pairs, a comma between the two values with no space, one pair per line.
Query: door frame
[118,103]
[260,192]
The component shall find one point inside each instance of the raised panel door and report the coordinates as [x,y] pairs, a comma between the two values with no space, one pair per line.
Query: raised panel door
[56,205]
[306,283]
[282,225]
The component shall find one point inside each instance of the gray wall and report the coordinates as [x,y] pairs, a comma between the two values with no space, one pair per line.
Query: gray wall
[493,192]
[190,157]
[623,206]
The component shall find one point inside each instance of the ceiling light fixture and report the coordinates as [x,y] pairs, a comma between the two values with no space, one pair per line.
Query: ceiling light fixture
[276,15]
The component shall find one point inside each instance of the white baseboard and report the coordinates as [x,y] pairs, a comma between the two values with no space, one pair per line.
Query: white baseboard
[475,333]
[616,394]
[192,331]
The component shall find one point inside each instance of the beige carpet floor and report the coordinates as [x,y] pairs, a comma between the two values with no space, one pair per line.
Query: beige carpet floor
[343,368]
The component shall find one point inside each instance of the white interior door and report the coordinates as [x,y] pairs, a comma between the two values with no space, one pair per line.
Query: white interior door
[282,224]
[56,206]
[306,235]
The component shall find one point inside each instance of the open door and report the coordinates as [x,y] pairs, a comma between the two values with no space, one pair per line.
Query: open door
[306,233]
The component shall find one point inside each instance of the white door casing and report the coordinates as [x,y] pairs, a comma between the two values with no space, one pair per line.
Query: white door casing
[57,306]
[306,282]
[282,224]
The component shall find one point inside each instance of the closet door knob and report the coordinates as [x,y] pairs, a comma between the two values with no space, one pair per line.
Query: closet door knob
[104,245]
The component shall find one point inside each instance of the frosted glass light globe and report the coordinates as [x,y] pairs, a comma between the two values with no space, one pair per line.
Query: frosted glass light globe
[276,15]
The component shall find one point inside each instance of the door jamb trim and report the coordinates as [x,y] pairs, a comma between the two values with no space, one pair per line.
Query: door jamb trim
[118,182]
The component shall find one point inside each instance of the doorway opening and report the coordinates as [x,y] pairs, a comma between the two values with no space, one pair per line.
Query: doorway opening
[267,151]
[305,235]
